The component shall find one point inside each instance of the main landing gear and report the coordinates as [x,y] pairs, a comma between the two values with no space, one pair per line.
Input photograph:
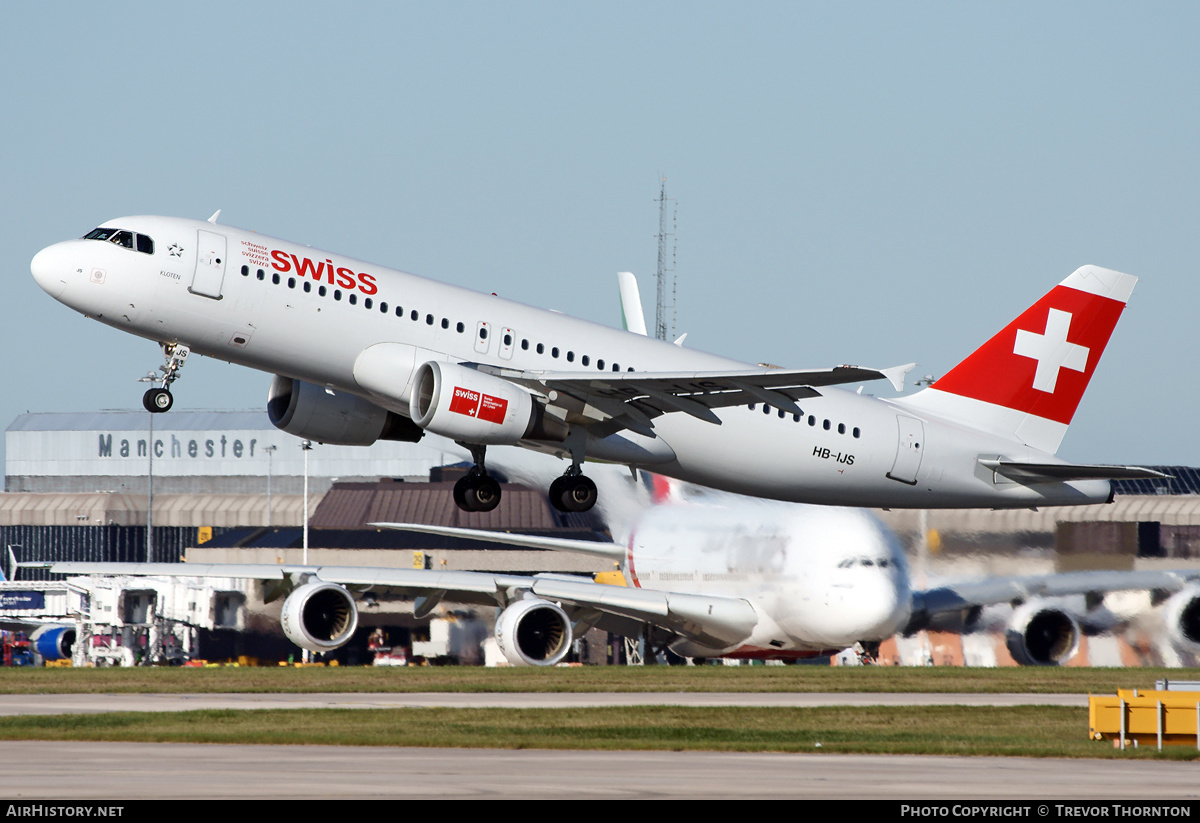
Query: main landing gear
[573,492]
[477,491]
[159,400]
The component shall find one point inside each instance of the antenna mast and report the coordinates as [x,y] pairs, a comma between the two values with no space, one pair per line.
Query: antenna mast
[664,316]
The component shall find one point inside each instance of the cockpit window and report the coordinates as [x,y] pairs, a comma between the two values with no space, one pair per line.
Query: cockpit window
[124,238]
[851,562]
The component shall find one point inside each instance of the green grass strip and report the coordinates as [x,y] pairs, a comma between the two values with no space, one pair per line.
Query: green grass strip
[1040,731]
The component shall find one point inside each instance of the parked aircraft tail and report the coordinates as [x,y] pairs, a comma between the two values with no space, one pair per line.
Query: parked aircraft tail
[1026,382]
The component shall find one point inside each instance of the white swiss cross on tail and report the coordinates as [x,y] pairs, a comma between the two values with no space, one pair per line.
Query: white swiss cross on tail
[1051,350]
[1026,382]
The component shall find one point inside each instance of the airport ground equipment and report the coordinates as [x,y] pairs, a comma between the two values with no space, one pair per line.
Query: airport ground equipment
[1162,717]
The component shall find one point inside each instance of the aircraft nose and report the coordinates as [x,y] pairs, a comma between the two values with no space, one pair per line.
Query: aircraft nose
[51,267]
[889,606]
[877,608]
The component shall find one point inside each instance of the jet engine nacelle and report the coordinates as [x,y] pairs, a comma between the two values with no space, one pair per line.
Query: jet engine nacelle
[340,419]
[470,406]
[1182,615]
[319,616]
[534,632]
[54,642]
[1042,635]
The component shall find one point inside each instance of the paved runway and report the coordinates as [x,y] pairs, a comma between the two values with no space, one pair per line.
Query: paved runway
[128,771]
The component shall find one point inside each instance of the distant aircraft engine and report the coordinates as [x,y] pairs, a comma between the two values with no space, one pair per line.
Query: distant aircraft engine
[1182,615]
[54,642]
[1041,635]
[319,616]
[534,633]
[339,419]
[467,405]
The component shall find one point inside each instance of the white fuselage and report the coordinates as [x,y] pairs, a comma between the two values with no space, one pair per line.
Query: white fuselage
[307,314]
[820,578]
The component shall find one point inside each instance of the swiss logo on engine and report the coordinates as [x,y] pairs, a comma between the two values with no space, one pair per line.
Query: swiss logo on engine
[478,405]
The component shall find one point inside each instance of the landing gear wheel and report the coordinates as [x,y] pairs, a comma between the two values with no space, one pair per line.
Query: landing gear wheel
[484,494]
[573,493]
[157,401]
[477,493]
[460,493]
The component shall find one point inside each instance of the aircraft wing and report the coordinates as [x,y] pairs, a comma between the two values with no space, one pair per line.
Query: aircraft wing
[616,400]
[964,595]
[1035,472]
[716,622]
[592,547]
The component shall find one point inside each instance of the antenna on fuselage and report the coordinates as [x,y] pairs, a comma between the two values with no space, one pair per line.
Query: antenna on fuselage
[216,214]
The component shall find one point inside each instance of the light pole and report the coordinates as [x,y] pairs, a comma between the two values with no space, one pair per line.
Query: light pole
[150,378]
[306,445]
[270,450]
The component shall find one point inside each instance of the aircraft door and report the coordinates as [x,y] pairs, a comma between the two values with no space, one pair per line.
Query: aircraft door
[483,331]
[210,264]
[908,450]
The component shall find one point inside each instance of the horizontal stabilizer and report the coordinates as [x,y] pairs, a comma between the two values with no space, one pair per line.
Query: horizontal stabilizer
[1035,472]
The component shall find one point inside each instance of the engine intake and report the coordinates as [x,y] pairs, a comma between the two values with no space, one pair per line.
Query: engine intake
[1040,635]
[319,616]
[534,632]
[54,642]
[340,419]
[1182,615]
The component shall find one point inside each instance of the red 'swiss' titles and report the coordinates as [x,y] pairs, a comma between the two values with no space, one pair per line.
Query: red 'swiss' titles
[478,405]
[334,275]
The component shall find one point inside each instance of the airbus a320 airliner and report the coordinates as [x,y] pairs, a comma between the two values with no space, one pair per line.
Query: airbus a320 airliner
[362,353]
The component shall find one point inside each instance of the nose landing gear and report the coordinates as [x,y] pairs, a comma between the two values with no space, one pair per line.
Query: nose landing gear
[159,400]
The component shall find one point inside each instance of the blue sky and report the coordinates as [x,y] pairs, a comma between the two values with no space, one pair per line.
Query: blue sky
[868,183]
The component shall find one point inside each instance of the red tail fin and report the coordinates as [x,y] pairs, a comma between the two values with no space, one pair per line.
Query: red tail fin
[1040,364]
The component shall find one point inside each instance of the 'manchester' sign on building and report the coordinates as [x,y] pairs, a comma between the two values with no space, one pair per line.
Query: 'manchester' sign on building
[205,443]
